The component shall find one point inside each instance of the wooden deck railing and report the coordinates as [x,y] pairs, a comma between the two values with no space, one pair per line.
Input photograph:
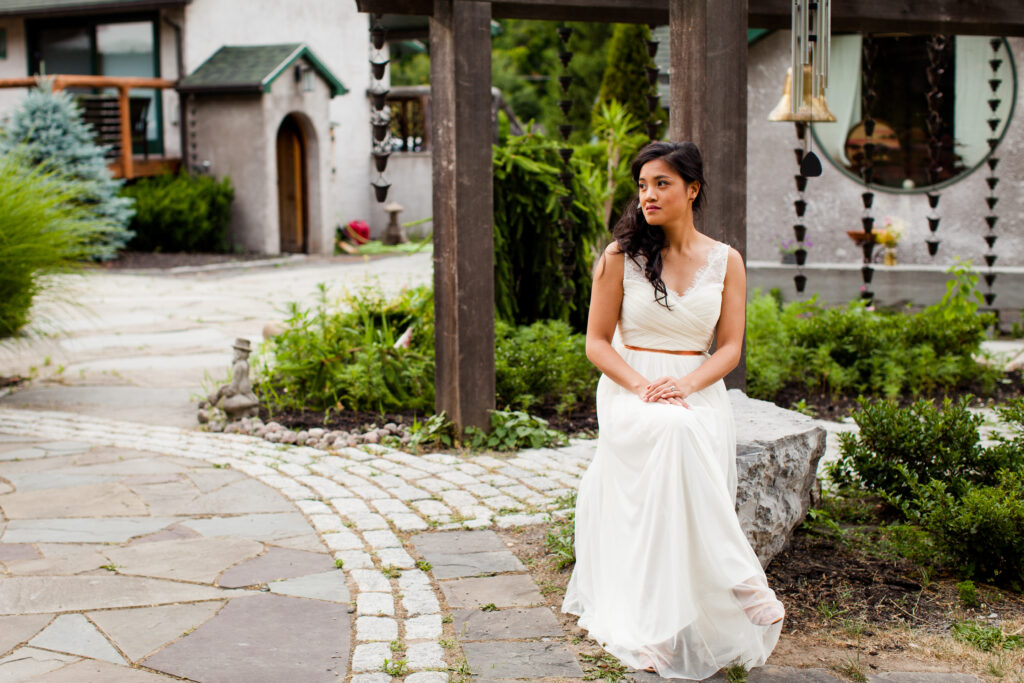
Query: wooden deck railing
[126,165]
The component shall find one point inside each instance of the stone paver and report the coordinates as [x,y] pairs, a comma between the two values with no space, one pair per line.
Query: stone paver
[75,635]
[275,565]
[506,590]
[263,638]
[43,594]
[326,586]
[30,664]
[138,632]
[530,661]
[19,628]
[507,624]
[206,558]
[99,672]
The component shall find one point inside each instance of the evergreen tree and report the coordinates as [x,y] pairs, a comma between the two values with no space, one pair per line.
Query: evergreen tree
[47,130]
[625,76]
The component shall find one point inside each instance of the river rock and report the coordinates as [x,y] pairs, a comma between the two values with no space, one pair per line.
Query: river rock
[777,453]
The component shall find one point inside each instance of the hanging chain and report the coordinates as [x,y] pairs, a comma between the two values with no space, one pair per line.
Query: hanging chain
[380,114]
[938,49]
[566,223]
[868,95]
[994,83]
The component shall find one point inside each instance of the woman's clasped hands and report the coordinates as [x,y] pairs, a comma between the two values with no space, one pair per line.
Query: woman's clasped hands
[671,390]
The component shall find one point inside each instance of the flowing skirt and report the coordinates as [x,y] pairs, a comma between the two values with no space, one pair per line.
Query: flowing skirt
[659,549]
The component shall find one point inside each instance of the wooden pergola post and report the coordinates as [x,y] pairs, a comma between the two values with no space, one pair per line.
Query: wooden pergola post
[709,107]
[460,92]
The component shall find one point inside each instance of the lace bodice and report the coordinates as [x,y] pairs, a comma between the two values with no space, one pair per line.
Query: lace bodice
[688,324]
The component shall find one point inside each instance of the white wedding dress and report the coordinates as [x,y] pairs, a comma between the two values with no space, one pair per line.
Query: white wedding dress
[661,562]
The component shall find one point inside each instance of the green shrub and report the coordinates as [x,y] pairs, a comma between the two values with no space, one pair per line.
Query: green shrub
[853,350]
[181,213]
[561,537]
[331,360]
[540,365]
[47,130]
[512,430]
[45,228]
[981,531]
[968,593]
[986,638]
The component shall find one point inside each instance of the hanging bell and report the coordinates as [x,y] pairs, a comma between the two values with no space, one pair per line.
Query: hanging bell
[990,240]
[991,221]
[652,48]
[801,256]
[989,278]
[989,298]
[990,259]
[800,280]
[653,102]
[652,74]
[801,182]
[378,69]
[866,273]
[565,129]
[652,129]
[933,224]
[810,165]
[799,231]
[991,201]
[933,247]
[380,190]
[809,109]
[868,198]
[564,33]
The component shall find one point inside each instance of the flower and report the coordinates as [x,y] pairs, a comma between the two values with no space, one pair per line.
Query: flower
[891,233]
[790,246]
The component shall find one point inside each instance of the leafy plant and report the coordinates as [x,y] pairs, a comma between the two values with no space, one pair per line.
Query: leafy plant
[986,638]
[543,364]
[45,229]
[603,667]
[396,667]
[627,63]
[46,130]
[968,593]
[561,537]
[181,212]
[434,431]
[512,430]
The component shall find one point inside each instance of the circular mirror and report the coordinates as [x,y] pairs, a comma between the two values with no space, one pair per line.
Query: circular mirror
[965,93]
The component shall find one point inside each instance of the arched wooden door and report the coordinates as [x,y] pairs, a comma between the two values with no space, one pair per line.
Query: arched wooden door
[292,195]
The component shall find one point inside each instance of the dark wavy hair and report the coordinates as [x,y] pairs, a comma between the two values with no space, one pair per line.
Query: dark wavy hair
[637,237]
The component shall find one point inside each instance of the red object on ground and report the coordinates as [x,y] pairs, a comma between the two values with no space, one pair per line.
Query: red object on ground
[359,231]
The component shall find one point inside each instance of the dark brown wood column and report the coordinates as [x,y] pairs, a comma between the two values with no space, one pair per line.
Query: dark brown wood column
[460,89]
[709,106]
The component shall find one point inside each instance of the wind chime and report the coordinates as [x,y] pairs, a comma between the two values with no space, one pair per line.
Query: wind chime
[938,48]
[994,83]
[803,101]
[868,95]
[380,114]
[653,98]
[568,246]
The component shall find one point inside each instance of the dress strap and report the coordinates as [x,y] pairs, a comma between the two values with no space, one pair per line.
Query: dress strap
[718,260]
[631,270]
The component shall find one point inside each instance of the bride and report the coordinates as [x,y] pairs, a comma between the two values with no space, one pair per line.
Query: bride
[664,578]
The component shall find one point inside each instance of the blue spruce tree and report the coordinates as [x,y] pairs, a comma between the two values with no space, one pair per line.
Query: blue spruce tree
[47,129]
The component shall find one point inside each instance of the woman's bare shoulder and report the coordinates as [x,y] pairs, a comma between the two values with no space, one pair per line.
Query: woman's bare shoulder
[611,262]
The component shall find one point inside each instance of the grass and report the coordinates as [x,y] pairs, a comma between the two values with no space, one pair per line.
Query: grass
[737,673]
[986,638]
[398,667]
[602,667]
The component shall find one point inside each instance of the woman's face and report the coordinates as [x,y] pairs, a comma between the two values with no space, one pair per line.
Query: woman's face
[664,195]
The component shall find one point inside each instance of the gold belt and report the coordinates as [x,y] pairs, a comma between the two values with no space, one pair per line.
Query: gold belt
[674,353]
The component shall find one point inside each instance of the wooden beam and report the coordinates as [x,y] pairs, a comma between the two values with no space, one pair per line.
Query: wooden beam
[62,81]
[708,101]
[460,77]
[127,165]
[961,17]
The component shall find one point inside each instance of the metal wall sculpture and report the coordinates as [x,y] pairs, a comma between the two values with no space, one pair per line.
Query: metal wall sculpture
[803,101]
[938,58]
[380,114]
[994,83]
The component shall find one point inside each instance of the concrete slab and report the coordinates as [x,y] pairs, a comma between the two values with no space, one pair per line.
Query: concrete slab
[18,551]
[921,677]
[199,560]
[41,594]
[309,542]
[262,527]
[263,638]
[274,565]
[138,632]
[100,672]
[207,480]
[76,635]
[531,661]
[245,496]
[451,566]
[171,533]
[326,586]
[23,454]
[108,530]
[449,542]
[509,590]
[109,499]
[61,559]
[149,464]
[506,624]
[20,628]
[59,478]
[29,663]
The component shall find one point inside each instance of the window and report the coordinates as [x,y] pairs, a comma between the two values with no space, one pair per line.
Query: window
[900,81]
[103,46]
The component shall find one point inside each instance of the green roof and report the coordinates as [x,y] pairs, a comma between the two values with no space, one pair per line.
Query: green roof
[51,7]
[252,69]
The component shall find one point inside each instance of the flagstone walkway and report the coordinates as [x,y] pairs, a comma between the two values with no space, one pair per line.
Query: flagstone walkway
[140,553]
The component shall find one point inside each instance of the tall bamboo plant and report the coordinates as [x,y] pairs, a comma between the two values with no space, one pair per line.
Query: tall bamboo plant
[529,241]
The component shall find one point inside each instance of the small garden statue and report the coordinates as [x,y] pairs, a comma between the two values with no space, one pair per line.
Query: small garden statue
[236,399]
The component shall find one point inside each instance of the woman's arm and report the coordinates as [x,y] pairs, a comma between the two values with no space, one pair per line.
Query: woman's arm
[605,305]
[729,335]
